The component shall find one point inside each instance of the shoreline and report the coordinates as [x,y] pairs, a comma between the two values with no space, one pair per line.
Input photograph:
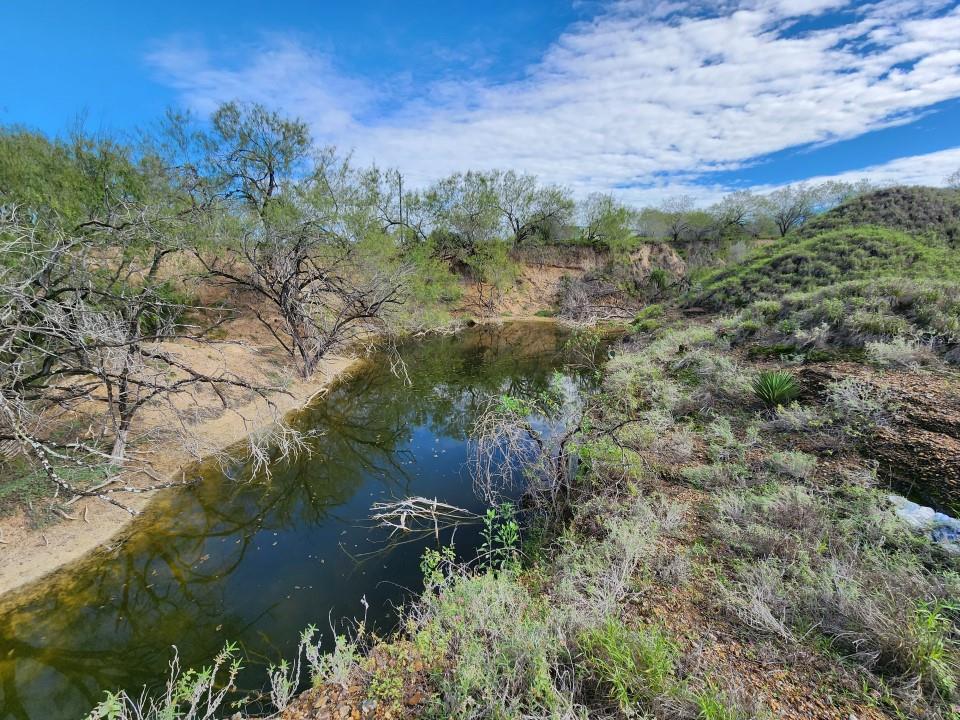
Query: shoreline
[29,555]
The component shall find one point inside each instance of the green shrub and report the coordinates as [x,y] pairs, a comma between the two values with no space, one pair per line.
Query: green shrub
[775,388]
[918,210]
[796,418]
[826,259]
[659,278]
[859,406]
[498,643]
[898,353]
[749,327]
[649,312]
[767,309]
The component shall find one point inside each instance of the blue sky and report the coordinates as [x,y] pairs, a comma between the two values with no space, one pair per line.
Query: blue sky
[647,98]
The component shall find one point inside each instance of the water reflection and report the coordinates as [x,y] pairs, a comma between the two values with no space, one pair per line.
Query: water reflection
[256,562]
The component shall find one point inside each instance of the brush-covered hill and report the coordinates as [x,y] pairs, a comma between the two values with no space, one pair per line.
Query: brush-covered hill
[882,268]
[915,210]
[801,264]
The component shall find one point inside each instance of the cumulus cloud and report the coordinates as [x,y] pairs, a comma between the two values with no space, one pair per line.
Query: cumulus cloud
[646,96]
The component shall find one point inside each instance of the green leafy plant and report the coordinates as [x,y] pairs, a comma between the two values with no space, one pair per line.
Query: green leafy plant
[501,538]
[711,704]
[775,388]
[434,565]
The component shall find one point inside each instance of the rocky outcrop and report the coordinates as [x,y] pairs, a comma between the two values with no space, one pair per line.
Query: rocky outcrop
[918,449]
[920,463]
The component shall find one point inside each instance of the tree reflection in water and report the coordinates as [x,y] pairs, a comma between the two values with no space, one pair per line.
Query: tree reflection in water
[256,561]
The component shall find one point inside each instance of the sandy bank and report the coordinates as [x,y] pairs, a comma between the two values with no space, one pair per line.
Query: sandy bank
[28,554]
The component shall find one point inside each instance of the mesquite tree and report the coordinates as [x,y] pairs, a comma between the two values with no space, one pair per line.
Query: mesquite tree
[305,247]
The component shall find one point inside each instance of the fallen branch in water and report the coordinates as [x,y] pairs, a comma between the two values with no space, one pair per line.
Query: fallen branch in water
[411,514]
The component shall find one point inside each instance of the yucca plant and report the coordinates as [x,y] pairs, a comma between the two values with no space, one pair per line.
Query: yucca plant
[775,388]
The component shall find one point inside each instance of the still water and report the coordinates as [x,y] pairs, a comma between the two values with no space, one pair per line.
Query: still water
[257,561]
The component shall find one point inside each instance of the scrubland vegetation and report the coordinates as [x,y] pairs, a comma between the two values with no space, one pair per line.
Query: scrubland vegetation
[123,258]
[710,537]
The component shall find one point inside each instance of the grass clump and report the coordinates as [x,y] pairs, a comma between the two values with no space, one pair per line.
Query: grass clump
[712,704]
[792,464]
[933,654]
[631,667]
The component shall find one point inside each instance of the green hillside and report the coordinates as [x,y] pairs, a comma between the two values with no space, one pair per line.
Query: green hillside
[802,264]
[916,210]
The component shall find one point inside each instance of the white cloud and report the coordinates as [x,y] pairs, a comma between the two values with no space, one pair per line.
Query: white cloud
[639,96]
[929,169]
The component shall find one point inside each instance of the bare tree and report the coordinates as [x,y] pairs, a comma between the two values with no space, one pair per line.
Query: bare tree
[790,206]
[508,445]
[676,214]
[87,327]
[953,180]
[310,271]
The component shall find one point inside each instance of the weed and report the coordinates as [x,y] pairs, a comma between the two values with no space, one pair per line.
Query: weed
[712,704]
[189,695]
[501,538]
[933,653]
[333,668]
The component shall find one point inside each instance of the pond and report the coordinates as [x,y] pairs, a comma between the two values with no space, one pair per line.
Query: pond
[257,561]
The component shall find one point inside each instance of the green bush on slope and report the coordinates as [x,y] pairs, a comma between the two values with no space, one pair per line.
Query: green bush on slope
[806,264]
[915,210]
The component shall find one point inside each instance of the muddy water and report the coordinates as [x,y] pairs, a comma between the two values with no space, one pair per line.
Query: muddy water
[256,561]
